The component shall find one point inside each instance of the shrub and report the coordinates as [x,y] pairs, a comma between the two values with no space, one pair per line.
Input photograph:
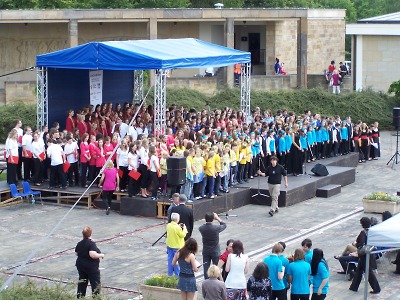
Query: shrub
[32,291]
[11,113]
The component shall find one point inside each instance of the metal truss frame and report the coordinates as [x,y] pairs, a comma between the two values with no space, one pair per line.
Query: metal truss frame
[138,81]
[42,103]
[160,100]
[245,89]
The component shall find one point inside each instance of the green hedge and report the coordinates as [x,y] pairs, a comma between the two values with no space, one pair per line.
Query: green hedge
[33,291]
[367,106]
[11,113]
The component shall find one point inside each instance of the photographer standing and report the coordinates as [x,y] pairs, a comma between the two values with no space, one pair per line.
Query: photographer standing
[210,235]
[175,240]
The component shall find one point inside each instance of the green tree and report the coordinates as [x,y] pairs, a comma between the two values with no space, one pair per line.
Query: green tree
[161,4]
[17,4]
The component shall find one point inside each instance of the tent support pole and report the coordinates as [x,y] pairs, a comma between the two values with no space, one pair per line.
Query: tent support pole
[160,122]
[245,89]
[42,108]
[137,86]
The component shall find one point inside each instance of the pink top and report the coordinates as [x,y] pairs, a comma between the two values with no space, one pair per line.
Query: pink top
[110,179]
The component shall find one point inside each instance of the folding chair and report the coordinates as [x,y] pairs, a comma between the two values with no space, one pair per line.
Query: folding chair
[27,190]
[15,194]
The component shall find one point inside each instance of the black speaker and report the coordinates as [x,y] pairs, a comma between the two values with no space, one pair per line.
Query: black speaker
[320,170]
[396,117]
[176,170]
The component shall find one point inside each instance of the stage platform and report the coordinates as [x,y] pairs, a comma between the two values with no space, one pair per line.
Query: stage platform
[341,172]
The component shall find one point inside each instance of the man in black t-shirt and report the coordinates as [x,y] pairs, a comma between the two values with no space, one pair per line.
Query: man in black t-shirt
[275,172]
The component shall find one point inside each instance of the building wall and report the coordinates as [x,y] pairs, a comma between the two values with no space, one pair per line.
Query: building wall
[326,42]
[48,30]
[380,63]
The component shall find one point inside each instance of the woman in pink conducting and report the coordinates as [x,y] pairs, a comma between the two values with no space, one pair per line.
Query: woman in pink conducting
[109,181]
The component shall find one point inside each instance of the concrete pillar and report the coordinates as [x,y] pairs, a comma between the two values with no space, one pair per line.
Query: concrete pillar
[152,35]
[229,34]
[302,35]
[73,33]
[270,44]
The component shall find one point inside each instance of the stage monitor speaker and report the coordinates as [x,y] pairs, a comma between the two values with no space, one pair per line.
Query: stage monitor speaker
[176,170]
[320,170]
[396,117]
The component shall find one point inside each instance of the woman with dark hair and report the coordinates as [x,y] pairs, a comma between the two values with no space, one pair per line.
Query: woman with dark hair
[298,276]
[224,257]
[386,215]
[320,275]
[259,285]
[360,242]
[185,257]
[237,265]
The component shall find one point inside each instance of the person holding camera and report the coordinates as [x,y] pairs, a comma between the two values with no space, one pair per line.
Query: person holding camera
[210,235]
[176,233]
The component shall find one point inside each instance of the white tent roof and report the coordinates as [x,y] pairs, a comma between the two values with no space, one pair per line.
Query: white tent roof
[386,234]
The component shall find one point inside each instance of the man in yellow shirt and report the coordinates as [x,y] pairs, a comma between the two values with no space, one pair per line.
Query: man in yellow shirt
[175,240]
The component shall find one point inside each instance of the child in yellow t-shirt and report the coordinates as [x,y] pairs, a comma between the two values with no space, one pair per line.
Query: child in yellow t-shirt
[210,172]
[242,161]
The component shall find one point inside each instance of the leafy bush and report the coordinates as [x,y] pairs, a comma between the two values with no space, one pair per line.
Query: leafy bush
[11,113]
[367,106]
[32,291]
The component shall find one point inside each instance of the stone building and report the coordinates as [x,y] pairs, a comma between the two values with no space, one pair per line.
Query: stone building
[375,52]
[304,39]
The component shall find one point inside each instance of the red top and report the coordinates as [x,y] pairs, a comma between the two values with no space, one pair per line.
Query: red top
[84,150]
[70,124]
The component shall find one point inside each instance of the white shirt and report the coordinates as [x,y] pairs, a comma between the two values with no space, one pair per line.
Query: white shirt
[27,142]
[11,147]
[20,134]
[133,133]
[122,157]
[140,131]
[153,163]
[55,152]
[143,155]
[123,129]
[37,148]
[133,160]
[73,149]
[236,278]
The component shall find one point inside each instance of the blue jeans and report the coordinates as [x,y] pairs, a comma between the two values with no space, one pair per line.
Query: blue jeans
[210,185]
[226,180]
[203,186]
[187,188]
[172,269]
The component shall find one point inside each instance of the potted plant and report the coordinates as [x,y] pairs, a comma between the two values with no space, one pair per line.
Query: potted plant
[378,202]
[161,287]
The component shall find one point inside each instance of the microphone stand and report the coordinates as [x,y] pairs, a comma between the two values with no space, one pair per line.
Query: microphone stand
[260,162]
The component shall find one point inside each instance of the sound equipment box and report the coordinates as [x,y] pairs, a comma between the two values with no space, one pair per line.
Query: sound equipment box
[176,170]
[396,117]
[320,170]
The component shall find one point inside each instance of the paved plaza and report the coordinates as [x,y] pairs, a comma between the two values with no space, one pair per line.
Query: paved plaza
[331,223]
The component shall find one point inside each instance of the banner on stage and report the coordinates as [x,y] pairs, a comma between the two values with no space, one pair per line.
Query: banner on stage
[96,87]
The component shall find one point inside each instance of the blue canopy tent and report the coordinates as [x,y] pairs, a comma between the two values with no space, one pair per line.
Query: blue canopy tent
[118,59]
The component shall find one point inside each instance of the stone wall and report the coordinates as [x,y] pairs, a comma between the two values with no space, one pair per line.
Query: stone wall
[380,53]
[326,42]
[20,91]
